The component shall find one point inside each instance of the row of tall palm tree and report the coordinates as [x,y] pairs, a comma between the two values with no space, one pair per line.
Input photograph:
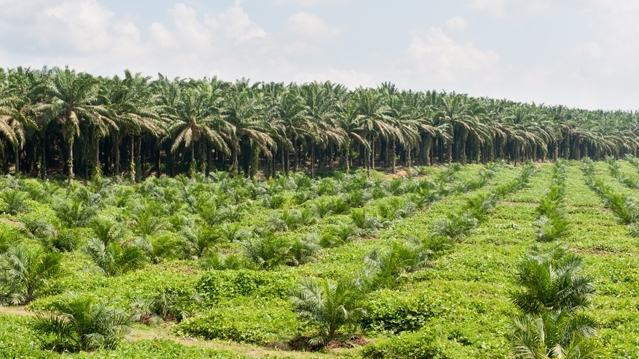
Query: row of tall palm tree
[58,120]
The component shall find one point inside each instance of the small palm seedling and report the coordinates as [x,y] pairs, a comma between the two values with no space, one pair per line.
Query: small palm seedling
[81,324]
[363,220]
[555,334]
[24,272]
[200,240]
[209,212]
[338,235]
[38,227]
[481,205]
[304,250]
[625,208]
[147,220]
[339,206]
[232,232]
[267,251]
[327,305]
[322,208]
[358,198]
[220,261]
[15,201]
[552,280]
[170,304]
[326,187]
[73,212]
[115,258]
[387,267]
[107,229]
[161,247]
[455,225]
[275,201]
[550,228]
[66,240]
[396,208]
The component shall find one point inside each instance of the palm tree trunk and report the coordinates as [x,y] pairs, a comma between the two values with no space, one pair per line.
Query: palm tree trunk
[312,160]
[408,157]
[204,157]
[392,154]
[43,163]
[70,162]
[139,167]
[97,166]
[372,152]
[347,156]
[117,155]
[16,150]
[132,164]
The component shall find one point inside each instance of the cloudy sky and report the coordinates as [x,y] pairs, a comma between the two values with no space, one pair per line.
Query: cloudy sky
[580,53]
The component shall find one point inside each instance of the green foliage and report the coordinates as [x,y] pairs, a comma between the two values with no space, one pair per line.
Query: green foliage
[554,334]
[14,200]
[80,323]
[115,258]
[267,251]
[551,228]
[552,280]
[169,304]
[387,267]
[25,272]
[455,225]
[327,305]
[217,285]
[259,322]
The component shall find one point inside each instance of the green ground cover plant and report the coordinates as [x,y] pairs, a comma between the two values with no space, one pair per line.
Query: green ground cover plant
[225,267]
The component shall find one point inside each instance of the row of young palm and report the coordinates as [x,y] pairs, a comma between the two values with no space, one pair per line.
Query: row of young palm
[624,207]
[552,223]
[456,225]
[617,173]
[60,120]
[553,295]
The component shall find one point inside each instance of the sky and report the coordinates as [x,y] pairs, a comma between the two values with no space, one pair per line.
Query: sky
[578,53]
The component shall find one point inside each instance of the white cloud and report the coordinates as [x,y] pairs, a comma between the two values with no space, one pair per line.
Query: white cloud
[441,61]
[310,3]
[457,23]
[311,27]
[495,8]
[591,49]
[236,24]
[521,8]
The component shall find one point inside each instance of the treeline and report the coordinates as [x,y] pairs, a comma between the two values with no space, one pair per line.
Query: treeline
[57,120]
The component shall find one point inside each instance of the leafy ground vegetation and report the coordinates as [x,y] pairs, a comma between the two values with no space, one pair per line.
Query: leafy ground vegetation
[475,261]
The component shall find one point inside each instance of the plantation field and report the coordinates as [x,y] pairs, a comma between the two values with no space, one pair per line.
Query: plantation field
[427,266]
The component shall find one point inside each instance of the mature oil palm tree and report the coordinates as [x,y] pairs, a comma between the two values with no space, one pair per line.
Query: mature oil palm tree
[250,131]
[196,118]
[322,112]
[13,121]
[131,104]
[290,114]
[73,98]
[374,119]
[349,122]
